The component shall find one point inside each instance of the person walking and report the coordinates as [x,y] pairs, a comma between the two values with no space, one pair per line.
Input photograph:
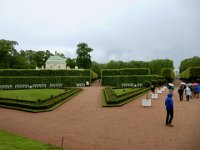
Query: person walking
[198,91]
[170,110]
[180,92]
[187,93]
[152,89]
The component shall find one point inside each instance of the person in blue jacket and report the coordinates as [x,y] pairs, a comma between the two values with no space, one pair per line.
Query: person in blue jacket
[170,109]
[198,90]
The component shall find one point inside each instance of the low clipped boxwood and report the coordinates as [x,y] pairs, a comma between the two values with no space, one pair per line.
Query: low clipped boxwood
[154,82]
[111,99]
[146,83]
[39,105]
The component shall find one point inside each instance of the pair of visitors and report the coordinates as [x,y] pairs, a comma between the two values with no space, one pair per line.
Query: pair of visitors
[187,93]
[180,92]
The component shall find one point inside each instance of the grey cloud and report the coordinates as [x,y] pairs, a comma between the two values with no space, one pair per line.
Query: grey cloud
[133,30]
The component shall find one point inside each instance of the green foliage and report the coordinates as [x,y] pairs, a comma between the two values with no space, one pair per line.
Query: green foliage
[168,74]
[190,62]
[191,74]
[83,56]
[121,97]
[68,78]
[7,52]
[137,64]
[45,72]
[10,141]
[162,82]
[123,91]
[195,72]
[31,94]
[118,80]
[25,59]
[154,82]
[93,75]
[157,65]
[115,65]
[71,62]
[125,71]
[39,105]
[65,80]
[146,83]
[97,68]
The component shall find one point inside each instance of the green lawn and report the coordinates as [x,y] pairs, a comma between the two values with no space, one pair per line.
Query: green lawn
[10,141]
[30,94]
[122,91]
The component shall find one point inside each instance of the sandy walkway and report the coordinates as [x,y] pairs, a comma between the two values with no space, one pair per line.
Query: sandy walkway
[85,125]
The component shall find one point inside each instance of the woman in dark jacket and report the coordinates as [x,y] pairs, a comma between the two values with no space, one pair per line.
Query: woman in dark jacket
[180,92]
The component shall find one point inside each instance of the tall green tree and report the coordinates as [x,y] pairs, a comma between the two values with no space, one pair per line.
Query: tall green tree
[71,62]
[7,51]
[156,65]
[40,58]
[83,56]
[19,62]
[137,64]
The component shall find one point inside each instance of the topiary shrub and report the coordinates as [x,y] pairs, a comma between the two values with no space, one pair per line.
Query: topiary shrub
[146,83]
[154,82]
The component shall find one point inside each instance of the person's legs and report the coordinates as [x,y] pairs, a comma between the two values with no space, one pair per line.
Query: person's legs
[180,97]
[171,115]
[188,97]
[167,118]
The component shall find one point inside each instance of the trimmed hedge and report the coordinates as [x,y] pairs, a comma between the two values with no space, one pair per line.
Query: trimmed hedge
[113,100]
[125,71]
[66,81]
[192,73]
[93,75]
[68,78]
[118,80]
[168,74]
[44,72]
[38,106]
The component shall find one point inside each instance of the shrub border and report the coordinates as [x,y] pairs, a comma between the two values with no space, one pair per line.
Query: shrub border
[50,106]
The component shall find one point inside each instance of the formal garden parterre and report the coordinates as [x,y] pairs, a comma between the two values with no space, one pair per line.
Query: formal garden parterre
[42,84]
[138,81]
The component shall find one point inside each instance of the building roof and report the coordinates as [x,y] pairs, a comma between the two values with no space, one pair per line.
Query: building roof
[56,60]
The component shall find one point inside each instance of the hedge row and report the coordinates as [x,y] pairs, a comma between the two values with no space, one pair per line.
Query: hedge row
[119,80]
[34,72]
[112,99]
[168,74]
[66,81]
[93,75]
[125,71]
[39,105]
[192,73]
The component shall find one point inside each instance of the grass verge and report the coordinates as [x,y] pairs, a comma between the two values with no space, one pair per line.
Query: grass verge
[11,141]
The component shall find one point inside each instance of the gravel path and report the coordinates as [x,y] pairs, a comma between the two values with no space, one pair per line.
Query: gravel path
[85,125]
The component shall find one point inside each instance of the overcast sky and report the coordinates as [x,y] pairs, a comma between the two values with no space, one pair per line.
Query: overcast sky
[115,29]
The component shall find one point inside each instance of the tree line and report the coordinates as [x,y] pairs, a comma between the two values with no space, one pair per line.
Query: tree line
[10,58]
